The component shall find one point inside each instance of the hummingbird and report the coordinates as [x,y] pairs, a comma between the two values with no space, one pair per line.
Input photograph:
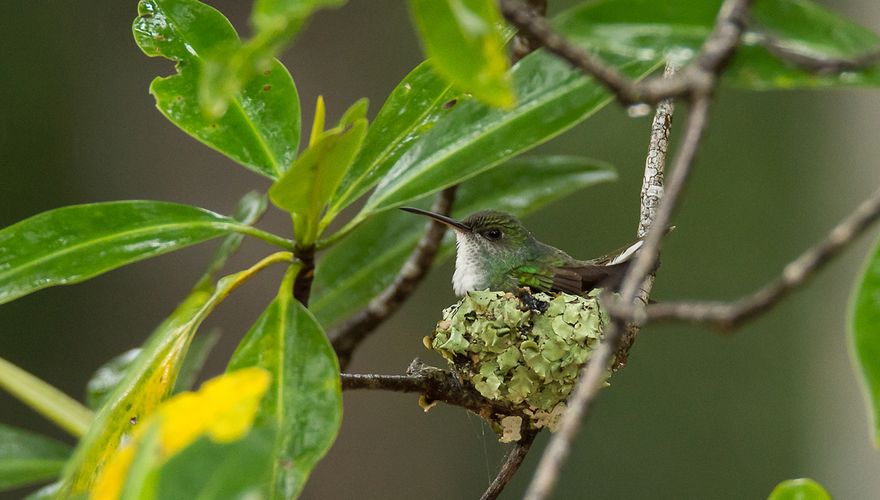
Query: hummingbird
[495,251]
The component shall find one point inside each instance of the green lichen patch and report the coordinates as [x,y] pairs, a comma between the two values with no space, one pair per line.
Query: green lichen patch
[512,351]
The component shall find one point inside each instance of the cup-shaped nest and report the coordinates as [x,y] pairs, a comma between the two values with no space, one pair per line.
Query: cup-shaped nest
[523,349]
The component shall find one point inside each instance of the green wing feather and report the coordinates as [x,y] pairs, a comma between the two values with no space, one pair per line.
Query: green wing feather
[546,279]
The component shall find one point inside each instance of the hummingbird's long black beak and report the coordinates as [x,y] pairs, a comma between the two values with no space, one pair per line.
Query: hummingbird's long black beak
[449,221]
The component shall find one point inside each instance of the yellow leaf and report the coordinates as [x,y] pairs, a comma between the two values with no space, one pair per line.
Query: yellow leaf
[223,409]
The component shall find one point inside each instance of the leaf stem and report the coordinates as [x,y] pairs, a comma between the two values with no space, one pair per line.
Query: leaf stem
[272,239]
[45,399]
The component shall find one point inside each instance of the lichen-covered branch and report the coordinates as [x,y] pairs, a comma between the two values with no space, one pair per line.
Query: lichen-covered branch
[348,336]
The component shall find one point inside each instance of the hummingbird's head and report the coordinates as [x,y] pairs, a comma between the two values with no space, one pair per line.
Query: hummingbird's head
[488,243]
[487,233]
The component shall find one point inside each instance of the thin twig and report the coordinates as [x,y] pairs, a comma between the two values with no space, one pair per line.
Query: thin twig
[650,196]
[731,315]
[699,76]
[593,373]
[348,336]
[434,384]
[524,44]
[514,459]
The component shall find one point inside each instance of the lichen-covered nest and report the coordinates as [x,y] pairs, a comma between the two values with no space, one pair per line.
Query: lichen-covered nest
[523,349]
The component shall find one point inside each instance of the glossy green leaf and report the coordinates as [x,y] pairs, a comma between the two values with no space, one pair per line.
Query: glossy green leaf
[261,127]
[71,244]
[412,109]
[305,189]
[149,380]
[27,458]
[219,471]
[357,268]
[473,137]
[645,29]
[799,489]
[865,334]
[232,68]
[304,402]
[464,42]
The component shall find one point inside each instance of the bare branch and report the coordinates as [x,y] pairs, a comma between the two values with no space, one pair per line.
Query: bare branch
[348,336]
[512,462]
[436,385]
[593,373]
[731,315]
[699,76]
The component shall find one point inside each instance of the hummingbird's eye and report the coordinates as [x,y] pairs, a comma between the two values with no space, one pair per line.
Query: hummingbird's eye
[493,234]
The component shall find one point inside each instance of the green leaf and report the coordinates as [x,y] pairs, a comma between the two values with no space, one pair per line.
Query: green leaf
[357,268]
[149,380]
[107,377]
[799,489]
[305,189]
[412,109]
[48,492]
[473,138]
[261,128]
[286,15]
[45,399]
[465,43]
[645,29]
[27,458]
[304,402]
[72,244]
[195,360]
[865,333]
[233,67]
[213,471]
[248,211]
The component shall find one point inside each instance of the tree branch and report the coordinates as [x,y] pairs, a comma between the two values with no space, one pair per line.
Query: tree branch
[434,384]
[593,373]
[348,336]
[731,315]
[512,462]
[524,44]
[699,76]
[650,196]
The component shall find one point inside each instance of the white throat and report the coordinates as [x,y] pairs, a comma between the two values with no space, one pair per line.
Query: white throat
[468,275]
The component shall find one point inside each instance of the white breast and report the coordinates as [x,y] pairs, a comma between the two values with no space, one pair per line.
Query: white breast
[468,275]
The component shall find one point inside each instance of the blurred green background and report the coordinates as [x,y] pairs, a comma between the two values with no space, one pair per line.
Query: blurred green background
[694,415]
